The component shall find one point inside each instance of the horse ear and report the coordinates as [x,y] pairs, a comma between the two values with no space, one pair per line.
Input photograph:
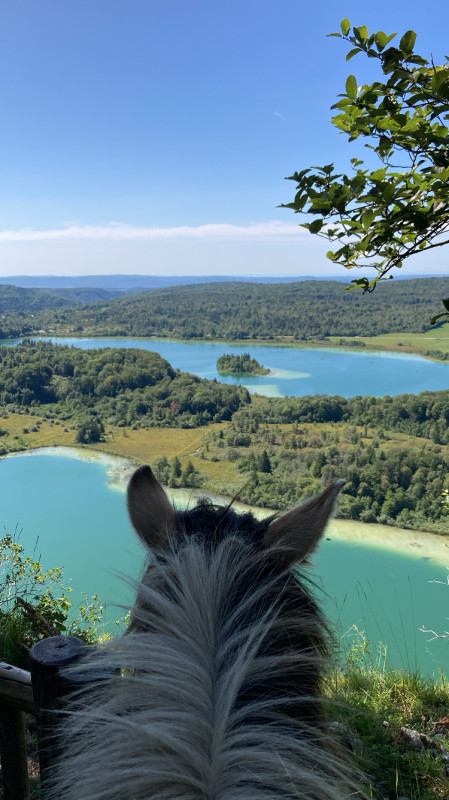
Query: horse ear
[150,510]
[297,532]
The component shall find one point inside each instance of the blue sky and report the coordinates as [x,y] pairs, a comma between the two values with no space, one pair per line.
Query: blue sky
[154,137]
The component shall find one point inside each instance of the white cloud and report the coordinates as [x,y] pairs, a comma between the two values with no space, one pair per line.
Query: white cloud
[115,231]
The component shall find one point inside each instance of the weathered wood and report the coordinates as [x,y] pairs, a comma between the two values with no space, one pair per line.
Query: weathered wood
[15,673]
[49,687]
[15,688]
[13,753]
[17,695]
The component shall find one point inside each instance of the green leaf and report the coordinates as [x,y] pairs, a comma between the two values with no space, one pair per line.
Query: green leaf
[446,303]
[438,316]
[407,42]
[316,226]
[442,131]
[345,26]
[388,192]
[361,283]
[361,33]
[439,79]
[367,218]
[353,53]
[381,40]
[351,87]
[391,36]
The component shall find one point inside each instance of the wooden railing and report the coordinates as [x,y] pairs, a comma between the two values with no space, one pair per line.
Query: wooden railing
[16,697]
[38,692]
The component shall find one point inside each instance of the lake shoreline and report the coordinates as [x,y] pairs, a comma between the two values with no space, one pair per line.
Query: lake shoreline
[415,544]
[352,343]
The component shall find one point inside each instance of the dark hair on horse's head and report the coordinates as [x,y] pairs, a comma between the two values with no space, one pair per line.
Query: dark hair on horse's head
[218,697]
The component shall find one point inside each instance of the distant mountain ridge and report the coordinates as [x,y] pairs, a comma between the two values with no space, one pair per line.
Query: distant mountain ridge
[136,283]
[132,283]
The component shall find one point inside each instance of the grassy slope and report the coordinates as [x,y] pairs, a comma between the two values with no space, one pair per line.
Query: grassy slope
[374,705]
[418,343]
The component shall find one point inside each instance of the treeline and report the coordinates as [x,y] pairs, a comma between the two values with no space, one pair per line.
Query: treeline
[123,387]
[425,415]
[298,311]
[21,310]
[173,474]
[387,481]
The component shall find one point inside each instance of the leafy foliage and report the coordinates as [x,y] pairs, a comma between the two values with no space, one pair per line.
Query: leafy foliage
[124,387]
[89,431]
[383,216]
[34,604]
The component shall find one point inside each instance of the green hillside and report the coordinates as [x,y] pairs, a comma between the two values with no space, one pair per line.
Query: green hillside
[302,311]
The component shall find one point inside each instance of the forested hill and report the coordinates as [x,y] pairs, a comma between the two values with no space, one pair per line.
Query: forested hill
[233,310]
[123,387]
[14,299]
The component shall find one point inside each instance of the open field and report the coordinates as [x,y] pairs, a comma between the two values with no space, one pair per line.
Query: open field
[418,343]
[21,432]
[26,431]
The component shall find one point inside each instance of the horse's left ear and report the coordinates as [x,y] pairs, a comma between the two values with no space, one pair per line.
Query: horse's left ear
[150,510]
[296,534]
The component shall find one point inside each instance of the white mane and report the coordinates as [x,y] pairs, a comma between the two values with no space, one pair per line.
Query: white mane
[167,726]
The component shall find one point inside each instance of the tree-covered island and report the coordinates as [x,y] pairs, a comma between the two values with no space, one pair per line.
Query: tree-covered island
[231,364]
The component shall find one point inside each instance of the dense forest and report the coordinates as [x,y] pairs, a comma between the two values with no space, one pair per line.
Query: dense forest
[390,478]
[423,415]
[300,311]
[231,364]
[15,300]
[393,452]
[122,387]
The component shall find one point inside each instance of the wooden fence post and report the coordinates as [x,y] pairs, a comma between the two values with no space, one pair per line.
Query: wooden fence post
[15,697]
[13,753]
[49,688]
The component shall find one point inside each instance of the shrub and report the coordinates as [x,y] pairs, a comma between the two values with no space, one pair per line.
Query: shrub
[35,604]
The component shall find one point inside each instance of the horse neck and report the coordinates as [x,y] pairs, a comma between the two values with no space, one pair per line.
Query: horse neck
[217,695]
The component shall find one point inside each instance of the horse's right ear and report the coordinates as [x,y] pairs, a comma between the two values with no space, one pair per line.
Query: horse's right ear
[150,510]
[295,535]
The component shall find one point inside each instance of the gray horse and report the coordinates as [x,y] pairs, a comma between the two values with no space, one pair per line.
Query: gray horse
[218,692]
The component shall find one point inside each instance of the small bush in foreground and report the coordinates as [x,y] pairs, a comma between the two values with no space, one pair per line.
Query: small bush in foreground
[34,603]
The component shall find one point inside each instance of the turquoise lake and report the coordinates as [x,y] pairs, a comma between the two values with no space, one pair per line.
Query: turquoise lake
[296,371]
[81,521]
[81,524]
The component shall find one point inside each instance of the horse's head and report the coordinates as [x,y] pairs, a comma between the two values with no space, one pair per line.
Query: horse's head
[219,691]
[291,536]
